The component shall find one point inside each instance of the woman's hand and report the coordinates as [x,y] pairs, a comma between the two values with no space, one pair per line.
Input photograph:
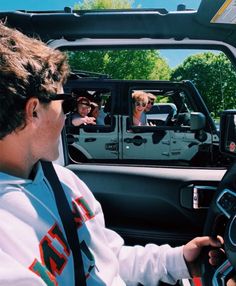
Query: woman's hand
[84,120]
[89,120]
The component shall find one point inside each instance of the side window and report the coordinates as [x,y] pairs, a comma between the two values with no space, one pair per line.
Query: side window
[93,107]
[91,127]
[160,108]
[167,125]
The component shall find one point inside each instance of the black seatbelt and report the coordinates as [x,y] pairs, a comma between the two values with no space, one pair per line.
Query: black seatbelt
[67,220]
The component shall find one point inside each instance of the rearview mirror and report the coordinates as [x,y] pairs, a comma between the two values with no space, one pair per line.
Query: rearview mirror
[228,132]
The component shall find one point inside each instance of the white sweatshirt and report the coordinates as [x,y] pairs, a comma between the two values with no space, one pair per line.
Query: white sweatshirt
[34,251]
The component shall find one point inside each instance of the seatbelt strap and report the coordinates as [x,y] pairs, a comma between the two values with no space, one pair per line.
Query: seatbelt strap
[67,220]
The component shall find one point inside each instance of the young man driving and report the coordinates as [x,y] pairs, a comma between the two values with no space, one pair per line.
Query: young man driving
[34,248]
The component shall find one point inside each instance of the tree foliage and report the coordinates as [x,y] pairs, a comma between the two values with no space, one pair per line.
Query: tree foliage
[212,73]
[214,77]
[103,4]
[121,64]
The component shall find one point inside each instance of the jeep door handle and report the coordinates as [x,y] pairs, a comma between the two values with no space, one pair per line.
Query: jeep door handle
[136,140]
[197,196]
[90,139]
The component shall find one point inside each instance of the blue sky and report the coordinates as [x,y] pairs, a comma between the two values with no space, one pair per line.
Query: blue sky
[171,5]
[60,4]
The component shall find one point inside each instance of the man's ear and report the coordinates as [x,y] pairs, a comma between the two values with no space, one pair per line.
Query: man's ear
[31,109]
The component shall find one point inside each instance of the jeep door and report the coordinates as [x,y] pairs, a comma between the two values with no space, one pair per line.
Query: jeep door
[143,143]
[99,141]
[183,136]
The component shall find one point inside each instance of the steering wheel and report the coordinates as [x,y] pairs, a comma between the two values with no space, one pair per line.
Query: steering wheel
[222,215]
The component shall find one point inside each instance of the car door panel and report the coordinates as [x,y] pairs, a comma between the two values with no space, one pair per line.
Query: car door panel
[150,204]
[186,144]
[141,145]
[98,144]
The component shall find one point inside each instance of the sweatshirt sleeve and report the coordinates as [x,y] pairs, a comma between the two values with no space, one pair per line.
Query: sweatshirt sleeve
[150,264]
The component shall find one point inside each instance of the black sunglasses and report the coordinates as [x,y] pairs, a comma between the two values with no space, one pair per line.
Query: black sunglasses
[140,103]
[69,101]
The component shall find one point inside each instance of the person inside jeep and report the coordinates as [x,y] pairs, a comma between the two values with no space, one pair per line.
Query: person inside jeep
[100,119]
[35,248]
[81,116]
[151,100]
[140,101]
[94,112]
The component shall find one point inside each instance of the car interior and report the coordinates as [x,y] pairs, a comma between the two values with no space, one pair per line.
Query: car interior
[142,201]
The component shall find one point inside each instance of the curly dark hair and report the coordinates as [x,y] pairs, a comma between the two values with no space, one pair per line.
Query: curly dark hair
[28,68]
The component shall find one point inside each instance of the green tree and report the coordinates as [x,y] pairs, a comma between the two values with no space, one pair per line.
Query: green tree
[214,77]
[120,64]
[103,4]
[161,71]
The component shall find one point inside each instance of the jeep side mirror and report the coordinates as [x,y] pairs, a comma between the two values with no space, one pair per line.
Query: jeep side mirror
[197,121]
[228,132]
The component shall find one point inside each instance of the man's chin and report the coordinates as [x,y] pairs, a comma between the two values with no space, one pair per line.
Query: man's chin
[52,157]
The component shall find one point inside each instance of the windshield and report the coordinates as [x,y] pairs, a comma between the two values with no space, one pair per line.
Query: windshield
[37,5]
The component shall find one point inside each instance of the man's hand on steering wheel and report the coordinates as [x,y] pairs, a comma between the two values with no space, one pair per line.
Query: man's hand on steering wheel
[192,253]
